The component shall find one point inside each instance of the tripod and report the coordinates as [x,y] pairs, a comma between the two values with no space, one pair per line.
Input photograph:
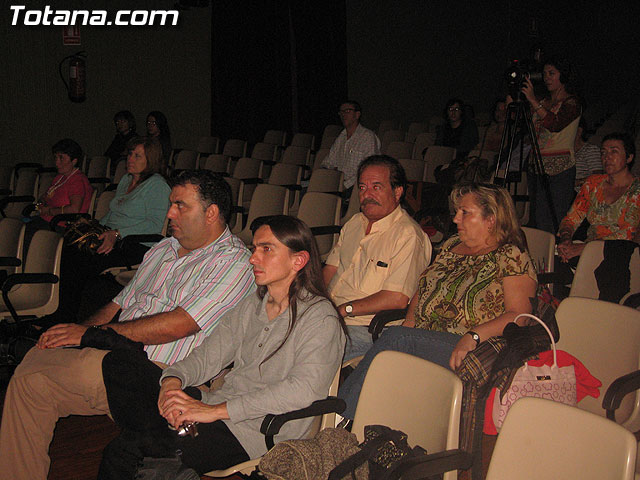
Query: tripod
[518,125]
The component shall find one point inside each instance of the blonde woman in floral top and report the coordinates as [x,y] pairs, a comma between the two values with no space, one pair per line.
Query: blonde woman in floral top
[481,280]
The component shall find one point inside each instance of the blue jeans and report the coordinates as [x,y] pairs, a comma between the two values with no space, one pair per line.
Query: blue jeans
[358,343]
[436,347]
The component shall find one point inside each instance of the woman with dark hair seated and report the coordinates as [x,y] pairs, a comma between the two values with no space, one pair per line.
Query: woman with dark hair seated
[139,207]
[609,201]
[69,192]
[158,128]
[459,131]
[125,124]
[480,281]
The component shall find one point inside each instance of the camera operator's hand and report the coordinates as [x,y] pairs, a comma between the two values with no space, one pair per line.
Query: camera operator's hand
[527,90]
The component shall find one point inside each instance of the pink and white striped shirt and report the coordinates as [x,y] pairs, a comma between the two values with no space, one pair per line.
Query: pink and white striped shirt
[206,283]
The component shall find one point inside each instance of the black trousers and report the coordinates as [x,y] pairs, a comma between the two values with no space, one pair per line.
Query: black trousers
[132,384]
[80,270]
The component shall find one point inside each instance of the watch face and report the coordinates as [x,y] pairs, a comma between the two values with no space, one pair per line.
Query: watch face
[348,308]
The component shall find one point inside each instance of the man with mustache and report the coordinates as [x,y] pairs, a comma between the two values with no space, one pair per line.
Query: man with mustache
[183,287]
[380,254]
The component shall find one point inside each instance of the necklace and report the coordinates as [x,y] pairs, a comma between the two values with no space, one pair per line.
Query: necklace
[61,181]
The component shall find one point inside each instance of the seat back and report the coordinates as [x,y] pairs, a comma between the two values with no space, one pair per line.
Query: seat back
[354,206]
[422,141]
[45,252]
[320,156]
[233,150]
[296,155]
[99,166]
[329,135]
[215,162]
[437,155]
[414,395]
[319,209]
[545,439]
[45,179]
[389,137]
[11,241]
[121,170]
[415,169]
[285,174]
[542,246]
[384,127]
[208,145]
[414,129]
[584,281]
[323,180]
[266,200]
[264,151]
[400,149]
[102,204]
[185,160]
[306,140]
[605,337]
[237,192]
[275,137]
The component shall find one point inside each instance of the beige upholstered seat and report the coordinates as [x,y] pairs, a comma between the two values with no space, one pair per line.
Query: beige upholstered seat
[208,145]
[399,149]
[275,137]
[185,160]
[234,149]
[550,440]
[605,337]
[306,140]
[542,246]
[416,170]
[414,129]
[436,156]
[422,141]
[266,200]
[353,208]
[413,395]
[389,137]
[319,209]
[584,281]
[323,180]
[11,242]
[216,162]
[37,299]
[329,135]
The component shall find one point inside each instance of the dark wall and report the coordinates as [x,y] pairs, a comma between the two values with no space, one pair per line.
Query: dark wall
[405,58]
[277,65]
[137,68]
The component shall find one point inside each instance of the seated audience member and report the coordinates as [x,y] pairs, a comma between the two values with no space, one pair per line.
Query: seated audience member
[379,255]
[493,134]
[139,207]
[285,342]
[587,155]
[158,128]
[125,124]
[459,131]
[479,282]
[70,191]
[176,299]
[610,202]
[354,144]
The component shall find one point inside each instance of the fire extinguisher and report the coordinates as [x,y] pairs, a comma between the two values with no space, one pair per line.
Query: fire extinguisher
[76,87]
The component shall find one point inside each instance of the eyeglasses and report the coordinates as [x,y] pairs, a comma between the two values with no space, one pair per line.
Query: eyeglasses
[151,124]
[346,110]
[454,109]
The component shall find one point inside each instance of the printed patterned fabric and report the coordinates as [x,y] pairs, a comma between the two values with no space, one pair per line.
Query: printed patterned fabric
[616,221]
[458,292]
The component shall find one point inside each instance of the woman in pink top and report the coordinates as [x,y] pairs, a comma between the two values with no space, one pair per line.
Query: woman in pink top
[70,191]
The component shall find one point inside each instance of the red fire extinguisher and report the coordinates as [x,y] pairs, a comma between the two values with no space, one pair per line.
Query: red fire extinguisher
[76,87]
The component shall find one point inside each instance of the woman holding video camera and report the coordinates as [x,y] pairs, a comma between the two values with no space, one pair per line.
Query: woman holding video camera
[556,118]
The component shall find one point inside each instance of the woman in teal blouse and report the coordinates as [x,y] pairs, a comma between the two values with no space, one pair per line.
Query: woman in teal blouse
[139,207]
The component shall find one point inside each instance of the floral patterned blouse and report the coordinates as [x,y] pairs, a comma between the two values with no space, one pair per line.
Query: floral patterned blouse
[619,220]
[457,292]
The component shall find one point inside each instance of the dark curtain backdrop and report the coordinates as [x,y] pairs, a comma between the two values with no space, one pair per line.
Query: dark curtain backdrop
[252,66]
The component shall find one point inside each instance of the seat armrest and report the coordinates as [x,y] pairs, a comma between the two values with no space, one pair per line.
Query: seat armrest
[272,424]
[99,180]
[14,199]
[381,319]
[10,262]
[432,466]
[618,389]
[22,278]
[252,181]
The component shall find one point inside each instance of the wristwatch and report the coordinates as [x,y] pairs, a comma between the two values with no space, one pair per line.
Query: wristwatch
[348,308]
[475,336]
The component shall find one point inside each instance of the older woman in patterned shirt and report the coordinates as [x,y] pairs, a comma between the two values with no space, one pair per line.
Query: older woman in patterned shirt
[479,282]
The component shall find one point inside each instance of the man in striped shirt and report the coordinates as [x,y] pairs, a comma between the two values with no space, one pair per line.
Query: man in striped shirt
[183,287]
